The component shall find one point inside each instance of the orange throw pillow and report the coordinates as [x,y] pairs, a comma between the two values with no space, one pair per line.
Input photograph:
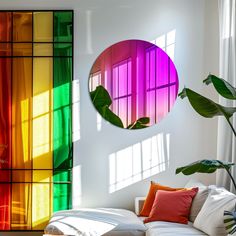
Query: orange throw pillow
[154,187]
[172,206]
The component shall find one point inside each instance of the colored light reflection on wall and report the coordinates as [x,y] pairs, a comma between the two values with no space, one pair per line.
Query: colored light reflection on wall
[35,117]
[140,78]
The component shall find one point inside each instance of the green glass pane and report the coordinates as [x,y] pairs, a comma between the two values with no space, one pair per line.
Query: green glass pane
[62,197]
[63,28]
[62,176]
[62,120]
[63,49]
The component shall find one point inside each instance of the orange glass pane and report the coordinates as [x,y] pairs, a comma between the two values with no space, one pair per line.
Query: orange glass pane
[21,176]
[22,26]
[22,49]
[5,49]
[5,26]
[21,214]
[21,113]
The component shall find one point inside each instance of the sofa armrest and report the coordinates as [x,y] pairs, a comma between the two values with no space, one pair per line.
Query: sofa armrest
[138,204]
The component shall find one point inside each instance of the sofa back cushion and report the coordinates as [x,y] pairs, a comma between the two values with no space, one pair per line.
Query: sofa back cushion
[172,206]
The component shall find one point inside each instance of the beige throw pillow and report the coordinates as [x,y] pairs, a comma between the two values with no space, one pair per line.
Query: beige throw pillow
[198,202]
[210,218]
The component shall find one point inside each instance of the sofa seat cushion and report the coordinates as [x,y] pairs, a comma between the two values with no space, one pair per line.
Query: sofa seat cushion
[95,222]
[164,228]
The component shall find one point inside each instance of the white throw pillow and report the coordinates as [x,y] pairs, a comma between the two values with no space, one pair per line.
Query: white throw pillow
[210,218]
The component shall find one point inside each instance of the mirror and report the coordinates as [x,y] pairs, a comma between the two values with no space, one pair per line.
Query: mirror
[133,84]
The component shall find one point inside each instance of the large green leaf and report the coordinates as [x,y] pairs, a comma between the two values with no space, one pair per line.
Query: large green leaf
[102,100]
[110,116]
[204,166]
[206,107]
[100,97]
[140,123]
[225,89]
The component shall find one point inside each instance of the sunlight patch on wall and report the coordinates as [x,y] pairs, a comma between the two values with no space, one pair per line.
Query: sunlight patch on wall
[167,43]
[139,161]
[76,110]
[77,189]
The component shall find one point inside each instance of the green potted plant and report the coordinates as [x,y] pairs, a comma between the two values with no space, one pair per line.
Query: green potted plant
[208,108]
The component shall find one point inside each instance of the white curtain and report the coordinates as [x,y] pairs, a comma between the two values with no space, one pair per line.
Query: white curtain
[226,148]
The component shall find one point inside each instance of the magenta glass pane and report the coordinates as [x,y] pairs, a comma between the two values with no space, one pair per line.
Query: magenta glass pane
[173,73]
[123,79]
[161,103]
[129,110]
[115,82]
[162,68]
[137,75]
[129,77]
[152,68]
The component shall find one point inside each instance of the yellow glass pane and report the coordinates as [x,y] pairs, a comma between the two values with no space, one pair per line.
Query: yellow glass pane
[21,207]
[43,49]
[22,49]
[42,119]
[43,176]
[41,210]
[43,26]
[21,176]
[21,113]
[22,26]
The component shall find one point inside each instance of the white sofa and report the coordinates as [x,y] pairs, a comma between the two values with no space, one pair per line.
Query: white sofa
[206,216]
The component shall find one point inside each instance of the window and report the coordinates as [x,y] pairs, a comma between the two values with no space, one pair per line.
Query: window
[122,91]
[36,57]
[161,84]
[95,80]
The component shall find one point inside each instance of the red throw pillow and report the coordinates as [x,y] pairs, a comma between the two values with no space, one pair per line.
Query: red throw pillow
[154,187]
[172,206]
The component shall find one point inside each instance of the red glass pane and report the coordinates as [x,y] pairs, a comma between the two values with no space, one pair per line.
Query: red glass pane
[5,26]
[5,113]
[5,176]
[5,206]
[5,49]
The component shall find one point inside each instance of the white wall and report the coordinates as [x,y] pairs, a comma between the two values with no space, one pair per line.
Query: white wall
[100,23]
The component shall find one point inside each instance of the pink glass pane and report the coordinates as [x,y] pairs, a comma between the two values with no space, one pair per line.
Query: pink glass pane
[123,110]
[161,103]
